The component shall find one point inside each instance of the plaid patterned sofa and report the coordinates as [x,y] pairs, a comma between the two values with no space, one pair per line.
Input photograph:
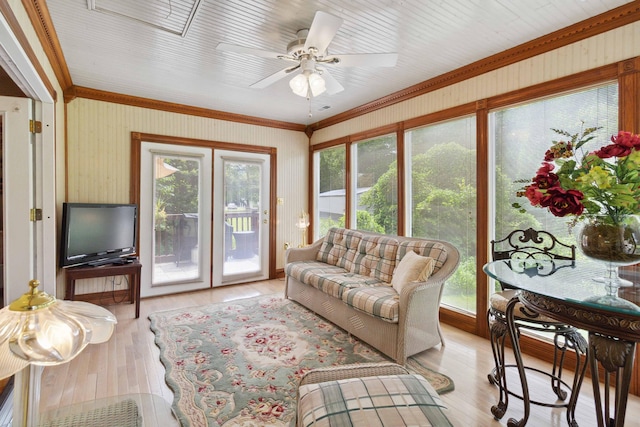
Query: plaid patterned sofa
[346,278]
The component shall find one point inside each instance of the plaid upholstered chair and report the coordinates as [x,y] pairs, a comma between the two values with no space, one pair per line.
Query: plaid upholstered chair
[529,246]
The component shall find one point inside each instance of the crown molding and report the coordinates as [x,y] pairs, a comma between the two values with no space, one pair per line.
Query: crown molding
[41,21]
[152,104]
[11,19]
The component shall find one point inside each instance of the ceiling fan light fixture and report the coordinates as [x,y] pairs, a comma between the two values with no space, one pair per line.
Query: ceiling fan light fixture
[307,82]
[317,84]
[299,85]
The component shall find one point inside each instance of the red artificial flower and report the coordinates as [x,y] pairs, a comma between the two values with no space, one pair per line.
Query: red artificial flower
[545,168]
[534,195]
[563,202]
[622,145]
[613,150]
[545,179]
[626,139]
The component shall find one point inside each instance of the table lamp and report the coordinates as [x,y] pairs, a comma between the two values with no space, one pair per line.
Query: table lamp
[302,224]
[36,330]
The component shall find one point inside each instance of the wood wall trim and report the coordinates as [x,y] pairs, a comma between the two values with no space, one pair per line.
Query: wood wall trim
[152,104]
[311,200]
[554,87]
[329,144]
[629,92]
[273,209]
[40,18]
[604,22]
[440,116]
[463,321]
[194,142]
[348,176]
[401,187]
[8,14]
[373,133]
[482,214]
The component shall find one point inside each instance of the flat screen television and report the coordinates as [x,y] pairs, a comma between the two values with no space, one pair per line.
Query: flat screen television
[97,233]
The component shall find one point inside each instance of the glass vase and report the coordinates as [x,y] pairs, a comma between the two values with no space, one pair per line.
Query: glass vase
[615,245]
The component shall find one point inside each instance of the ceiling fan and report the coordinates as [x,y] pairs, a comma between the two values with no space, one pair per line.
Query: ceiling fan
[309,54]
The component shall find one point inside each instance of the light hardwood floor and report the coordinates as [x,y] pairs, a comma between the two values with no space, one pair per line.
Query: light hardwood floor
[129,363]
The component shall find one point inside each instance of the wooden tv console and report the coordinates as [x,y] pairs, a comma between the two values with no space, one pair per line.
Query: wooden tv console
[132,270]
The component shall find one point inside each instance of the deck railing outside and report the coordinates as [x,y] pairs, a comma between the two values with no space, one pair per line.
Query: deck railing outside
[178,235]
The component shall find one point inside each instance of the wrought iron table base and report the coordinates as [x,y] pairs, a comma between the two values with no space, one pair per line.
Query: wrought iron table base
[616,357]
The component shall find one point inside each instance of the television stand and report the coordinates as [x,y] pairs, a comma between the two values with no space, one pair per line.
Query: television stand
[131,269]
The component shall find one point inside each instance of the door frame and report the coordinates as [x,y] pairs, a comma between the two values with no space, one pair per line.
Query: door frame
[38,180]
[134,192]
[21,64]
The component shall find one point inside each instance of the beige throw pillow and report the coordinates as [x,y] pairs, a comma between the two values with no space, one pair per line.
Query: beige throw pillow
[412,268]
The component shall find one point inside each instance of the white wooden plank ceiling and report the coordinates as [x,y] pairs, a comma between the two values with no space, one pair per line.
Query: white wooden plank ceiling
[166,49]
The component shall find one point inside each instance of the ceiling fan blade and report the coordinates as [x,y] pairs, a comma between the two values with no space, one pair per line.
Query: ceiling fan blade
[330,82]
[269,80]
[323,28]
[251,51]
[364,60]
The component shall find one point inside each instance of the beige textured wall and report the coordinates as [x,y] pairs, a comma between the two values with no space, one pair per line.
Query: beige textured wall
[616,45]
[99,139]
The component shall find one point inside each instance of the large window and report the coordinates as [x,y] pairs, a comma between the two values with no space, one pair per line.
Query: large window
[439,180]
[330,189]
[441,171]
[376,185]
[521,135]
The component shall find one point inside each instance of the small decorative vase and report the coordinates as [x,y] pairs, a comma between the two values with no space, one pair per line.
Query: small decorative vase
[615,245]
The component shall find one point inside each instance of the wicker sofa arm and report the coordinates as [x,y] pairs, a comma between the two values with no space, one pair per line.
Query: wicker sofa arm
[302,254]
[334,373]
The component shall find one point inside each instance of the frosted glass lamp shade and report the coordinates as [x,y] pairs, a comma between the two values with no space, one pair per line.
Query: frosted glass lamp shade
[9,363]
[316,83]
[37,329]
[299,85]
[307,82]
[100,321]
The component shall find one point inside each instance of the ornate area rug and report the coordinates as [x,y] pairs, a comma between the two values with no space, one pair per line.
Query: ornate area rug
[238,363]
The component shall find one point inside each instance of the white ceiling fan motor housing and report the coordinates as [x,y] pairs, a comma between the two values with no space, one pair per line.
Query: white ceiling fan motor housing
[295,49]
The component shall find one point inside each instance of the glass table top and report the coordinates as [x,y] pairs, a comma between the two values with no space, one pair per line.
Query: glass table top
[571,281]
